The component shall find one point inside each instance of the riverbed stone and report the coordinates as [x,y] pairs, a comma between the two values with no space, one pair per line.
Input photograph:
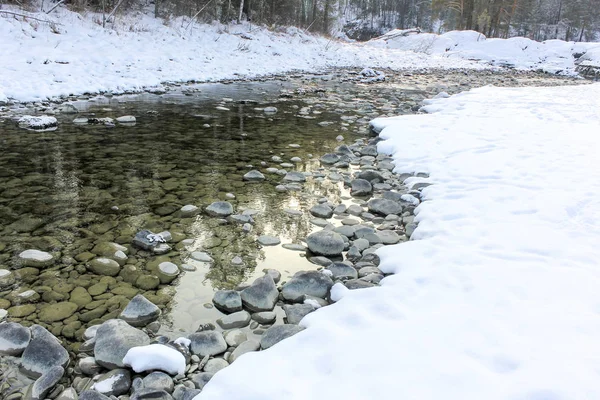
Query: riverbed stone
[43,353]
[361,187]
[303,283]
[147,282]
[384,207]
[228,301]
[235,337]
[89,366]
[215,365]
[201,256]
[92,395]
[265,317]
[266,240]
[21,311]
[325,243]
[238,319]
[342,271]
[35,258]
[114,383]
[7,278]
[80,296]
[114,338]
[321,211]
[167,272]
[104,266]
[158,380]
[253,176]
[207,343]
[14,339]
[329,158]
[57,312]
[201,379]
[295,312]
[261,295]
[42,386]
[150,394]
[140,311]
[220,209]
[277,333]
[370,175]
[294,176]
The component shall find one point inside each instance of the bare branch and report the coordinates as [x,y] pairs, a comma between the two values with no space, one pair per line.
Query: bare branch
[30,17]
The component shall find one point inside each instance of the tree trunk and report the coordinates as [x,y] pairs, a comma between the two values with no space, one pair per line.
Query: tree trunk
[326,18]
[241,10]
[156,2]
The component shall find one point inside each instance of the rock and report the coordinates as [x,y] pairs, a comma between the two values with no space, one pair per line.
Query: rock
[321,211]
[253,176]
[276,275]
[104,266]
[207,343]
[189,210]
[371,176]
[320,260]
[384,207]
[354,284]
[295,312]
[294,247]
[410,228]
[151,394]
[277,333]
[341,270]
[140,311]
[294,176]
[238,319]
[80,296]
[114,338]
[7,278]
[35,258]
[126,119]
[220,209]
[89,366]
[270,110]
[261,295]
[369,151]
[57,312]
[265,240]
[325,243]
[245,347]
[92,395]
[265,317]
[43,353]
[147,282]
[158,380]
[345,230]
[202,257]
[329,159]
[227,301]
[361,187]
[185,393]
[161,248]
[146,240]
[37,123]
[303,283]
[68,394]
[167,272]
[388,237]
[14,338]
[114,383]
[215,365]
[235,337]
[201,379]
[21,311]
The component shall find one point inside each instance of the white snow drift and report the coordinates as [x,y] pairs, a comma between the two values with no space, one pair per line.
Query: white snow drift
[497,297]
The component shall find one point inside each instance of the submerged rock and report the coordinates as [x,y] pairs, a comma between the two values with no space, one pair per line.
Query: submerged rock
[254,176]
[35,258]
[227,301]
[220,209]
[325,243]
[261,295]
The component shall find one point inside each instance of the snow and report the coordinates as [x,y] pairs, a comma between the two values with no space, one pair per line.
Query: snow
[155,357]
[183,341]
[496,295]
[41,122]
[554,56]
[138,52]
[106,385]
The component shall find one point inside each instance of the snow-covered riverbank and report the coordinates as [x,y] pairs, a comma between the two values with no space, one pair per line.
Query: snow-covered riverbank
[497,297]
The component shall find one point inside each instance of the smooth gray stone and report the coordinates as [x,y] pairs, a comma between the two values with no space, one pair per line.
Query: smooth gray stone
[325,243]
[342,271]
[238,319]
[140,311]
[214,365]
[266,240]
[361,187]
[340,209]
[262,295]
[354,284]
[208,343]
[92,395]
[361,231]
[158,380]
[312,283]
[141,240]
[68,394]
[245,347]
[89,366]
[151,394]
[388,237]
[320,260]
[371,176]
[368,151]
[295,312]
[410,228]
[355,210]
[114,338]
[185,393]
[227,301]
[220,209]
[294,247]
[345,230]
[273,273]
[45,383]
[294,176]
[201,379]
[235,337]
[394,196]
[43,353]
[14,338]
[265,317]
[253,176]
[277,333]
[321,211]
[117,382]
[384,207]
[353,254]
[329,159]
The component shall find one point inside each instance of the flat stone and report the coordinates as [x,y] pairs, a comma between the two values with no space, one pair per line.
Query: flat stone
[35,258]
[208,343]
[341,270]
[235,337]
[261,295]
[312,283]
[227,301]
[253,176]
[325,243]
[384,207]
[321,211]
[202,257]
[189,210]
[295,312]
[89,366]
[57,312]
[201,379]
[294,247]
[294,176]
[140,311]
[265,240]
[152,394]
[43,353]
[329,159]
[361,187]
[92,395]
[7,278]
[354,284]
[167,272]
[114,338]
[14,339]
[219,209]
[104,266]
[238,319]
[265,317]
[45,383]
[277,333]
[388,237]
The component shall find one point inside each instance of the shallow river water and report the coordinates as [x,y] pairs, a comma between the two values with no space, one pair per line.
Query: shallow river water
[72,191]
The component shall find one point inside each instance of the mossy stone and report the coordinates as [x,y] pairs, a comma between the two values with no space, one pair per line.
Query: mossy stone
[52,296]
[126,291]
[21,311]
[98,288]
[80,296]
[85,256]
[147,282]
[93,314]
[104,266]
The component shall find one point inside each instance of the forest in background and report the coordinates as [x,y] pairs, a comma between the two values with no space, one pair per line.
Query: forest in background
[570,20]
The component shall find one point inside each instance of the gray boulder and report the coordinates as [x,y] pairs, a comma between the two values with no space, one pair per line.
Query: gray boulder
[42,386]
[265,317]
[261,295]
[321,211]
[370,175]
[295,312]
[114,338]
[201,379]
[303,283]
[140,311]
[277,333]
[208,343]
[294,176]
[361,187]
[342,270]
[220,209]
[238,319]
[14,338]
[227,301]
[325,243]
[384,207]
[43,353]
[266,240]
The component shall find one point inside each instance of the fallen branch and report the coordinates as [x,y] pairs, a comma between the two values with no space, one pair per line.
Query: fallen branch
[400,34]
[56,5]
[195,15]
[29,16]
